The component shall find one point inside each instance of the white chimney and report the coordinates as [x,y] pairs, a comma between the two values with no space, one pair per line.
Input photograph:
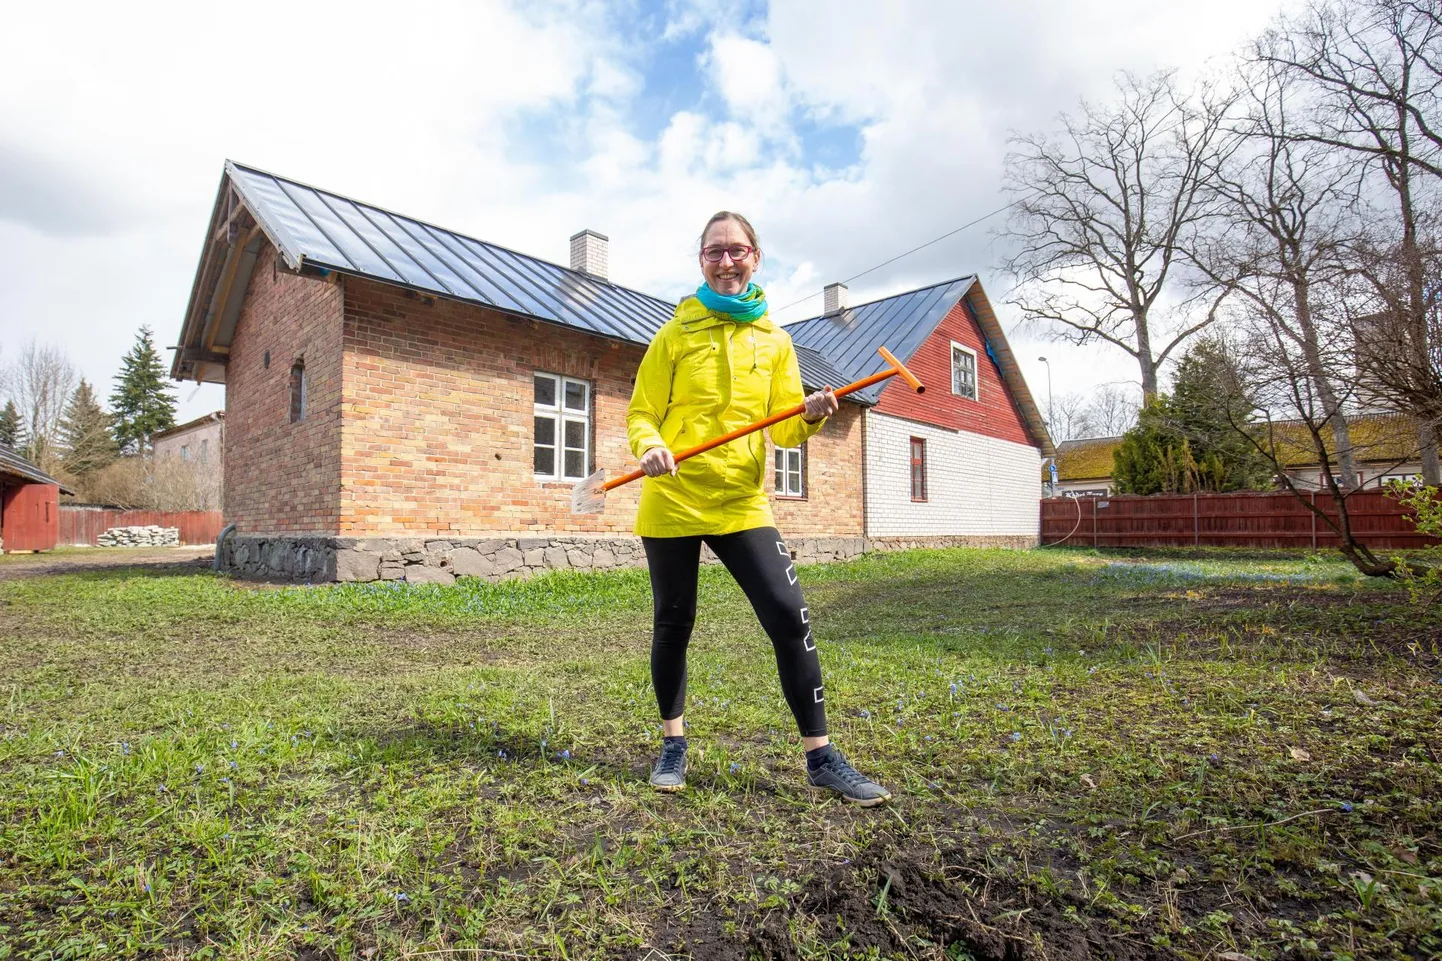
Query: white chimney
[588,253]
[835,299]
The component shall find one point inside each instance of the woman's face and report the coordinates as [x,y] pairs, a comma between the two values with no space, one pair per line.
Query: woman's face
[728,277]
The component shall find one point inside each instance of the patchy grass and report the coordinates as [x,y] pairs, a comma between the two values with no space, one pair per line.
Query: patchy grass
[1109,755]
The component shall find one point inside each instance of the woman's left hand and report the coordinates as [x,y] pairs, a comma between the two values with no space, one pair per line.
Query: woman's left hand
[820,405]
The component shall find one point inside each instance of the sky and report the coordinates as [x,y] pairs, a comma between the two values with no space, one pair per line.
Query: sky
[848,131]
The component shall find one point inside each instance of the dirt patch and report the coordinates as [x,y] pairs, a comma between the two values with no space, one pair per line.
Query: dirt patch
[159,560]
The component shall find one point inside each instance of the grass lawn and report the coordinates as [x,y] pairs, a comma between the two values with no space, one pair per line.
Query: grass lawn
[1193,755]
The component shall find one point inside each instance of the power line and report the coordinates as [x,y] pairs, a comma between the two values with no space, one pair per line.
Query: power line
[971,223]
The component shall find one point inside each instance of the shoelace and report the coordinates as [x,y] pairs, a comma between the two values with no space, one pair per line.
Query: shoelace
[670,762]
[844,770]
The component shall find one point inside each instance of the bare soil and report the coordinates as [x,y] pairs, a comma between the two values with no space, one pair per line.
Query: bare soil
[153,559]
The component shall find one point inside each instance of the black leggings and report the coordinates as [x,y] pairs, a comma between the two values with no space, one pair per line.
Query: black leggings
[761,564]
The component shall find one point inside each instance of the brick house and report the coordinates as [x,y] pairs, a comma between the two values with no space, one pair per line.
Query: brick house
[406,402]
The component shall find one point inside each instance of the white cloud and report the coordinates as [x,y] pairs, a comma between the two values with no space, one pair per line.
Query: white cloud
[116,121]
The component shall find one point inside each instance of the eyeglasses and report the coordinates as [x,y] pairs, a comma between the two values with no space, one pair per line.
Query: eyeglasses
[737,253]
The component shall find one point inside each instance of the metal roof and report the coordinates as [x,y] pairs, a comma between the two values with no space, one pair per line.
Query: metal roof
[817,372]
[12,463]
[849,338]
[317,227]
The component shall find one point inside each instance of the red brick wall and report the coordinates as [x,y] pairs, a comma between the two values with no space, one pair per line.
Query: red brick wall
[282,476]
[439,418]
[832,505]
[993,414]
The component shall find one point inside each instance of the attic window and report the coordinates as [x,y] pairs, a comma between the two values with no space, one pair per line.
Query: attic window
[297,392]
[963,371]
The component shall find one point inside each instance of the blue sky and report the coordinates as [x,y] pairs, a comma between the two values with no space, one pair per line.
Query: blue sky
[848,131]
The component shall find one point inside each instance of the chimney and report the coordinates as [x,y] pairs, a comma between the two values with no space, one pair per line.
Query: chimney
[835,299]
[588,253]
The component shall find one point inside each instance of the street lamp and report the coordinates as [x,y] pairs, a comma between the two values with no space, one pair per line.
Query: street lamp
[1050,426]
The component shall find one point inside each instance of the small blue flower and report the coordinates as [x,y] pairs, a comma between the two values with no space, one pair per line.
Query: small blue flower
[1346,808]
[200,769]
[1214,758]
[866,714]
[125,748]
[953,689]
[735,767]
[930,738]
[584,782]
[502,754]
[234,745]
[566,754]
[233,765]
[1015,736]
[402,896]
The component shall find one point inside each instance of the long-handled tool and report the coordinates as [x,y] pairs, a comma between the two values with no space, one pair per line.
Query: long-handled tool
[589,496]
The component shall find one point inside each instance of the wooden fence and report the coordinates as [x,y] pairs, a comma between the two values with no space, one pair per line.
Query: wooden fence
[84,525]
[1224,520]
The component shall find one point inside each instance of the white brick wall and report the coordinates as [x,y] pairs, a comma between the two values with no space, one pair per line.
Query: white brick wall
[974,484]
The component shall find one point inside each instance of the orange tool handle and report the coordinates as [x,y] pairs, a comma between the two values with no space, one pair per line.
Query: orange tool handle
[897,368]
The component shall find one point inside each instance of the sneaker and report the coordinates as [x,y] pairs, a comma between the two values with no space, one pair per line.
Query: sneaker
[669,774]
[836,774]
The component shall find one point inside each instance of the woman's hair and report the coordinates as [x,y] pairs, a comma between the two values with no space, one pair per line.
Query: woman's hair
[721,215]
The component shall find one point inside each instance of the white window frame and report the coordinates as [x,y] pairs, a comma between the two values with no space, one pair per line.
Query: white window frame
[784,474]
[562,415]
[975,371]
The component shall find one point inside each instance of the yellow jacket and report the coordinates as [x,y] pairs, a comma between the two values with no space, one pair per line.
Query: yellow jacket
[704,375]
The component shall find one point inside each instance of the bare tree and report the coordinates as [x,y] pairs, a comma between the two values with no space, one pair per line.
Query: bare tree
[41,380]
[1376,69]
[1278,249]
[1068,416]
[1112,411]
[1101,212]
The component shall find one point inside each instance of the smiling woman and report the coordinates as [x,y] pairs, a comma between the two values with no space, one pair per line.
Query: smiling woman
[717,365]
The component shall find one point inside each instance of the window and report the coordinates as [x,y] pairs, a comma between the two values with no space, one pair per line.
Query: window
[790,472]
[918,469]
[563,427]
[185,452]
[297,391]
[963,371]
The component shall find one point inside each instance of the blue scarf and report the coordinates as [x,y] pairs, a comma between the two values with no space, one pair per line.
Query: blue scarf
[742,308]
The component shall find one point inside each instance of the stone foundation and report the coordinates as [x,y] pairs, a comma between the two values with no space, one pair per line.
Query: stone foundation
[319,558]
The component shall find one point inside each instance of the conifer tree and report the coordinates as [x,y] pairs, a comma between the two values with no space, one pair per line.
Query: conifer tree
[143,403]
[12,428]
[85,433]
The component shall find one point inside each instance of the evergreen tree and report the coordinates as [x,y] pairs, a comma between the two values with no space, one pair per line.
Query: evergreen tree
[1154,457]
[12,428]
[85,433]
[1209,408]
[1194,439]
[143,403]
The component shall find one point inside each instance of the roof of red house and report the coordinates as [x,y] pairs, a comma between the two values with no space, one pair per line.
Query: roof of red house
[902,323]
[14,465]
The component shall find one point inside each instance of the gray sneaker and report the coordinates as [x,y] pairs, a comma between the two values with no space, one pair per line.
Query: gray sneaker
[836,774]
[669,774]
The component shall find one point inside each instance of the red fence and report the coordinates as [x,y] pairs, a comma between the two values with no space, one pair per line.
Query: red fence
[1224,520]
[84,525]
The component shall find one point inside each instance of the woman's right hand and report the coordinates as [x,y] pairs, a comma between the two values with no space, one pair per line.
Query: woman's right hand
[658,461]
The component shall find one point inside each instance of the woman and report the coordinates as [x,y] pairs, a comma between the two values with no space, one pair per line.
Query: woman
[720,363]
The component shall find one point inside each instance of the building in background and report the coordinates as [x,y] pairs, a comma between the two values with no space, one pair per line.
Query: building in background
[29,505]
[403,401]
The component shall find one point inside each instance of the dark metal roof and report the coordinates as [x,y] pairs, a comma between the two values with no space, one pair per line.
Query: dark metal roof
[321,228]
[901,324]
[12,463]
[817,372]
